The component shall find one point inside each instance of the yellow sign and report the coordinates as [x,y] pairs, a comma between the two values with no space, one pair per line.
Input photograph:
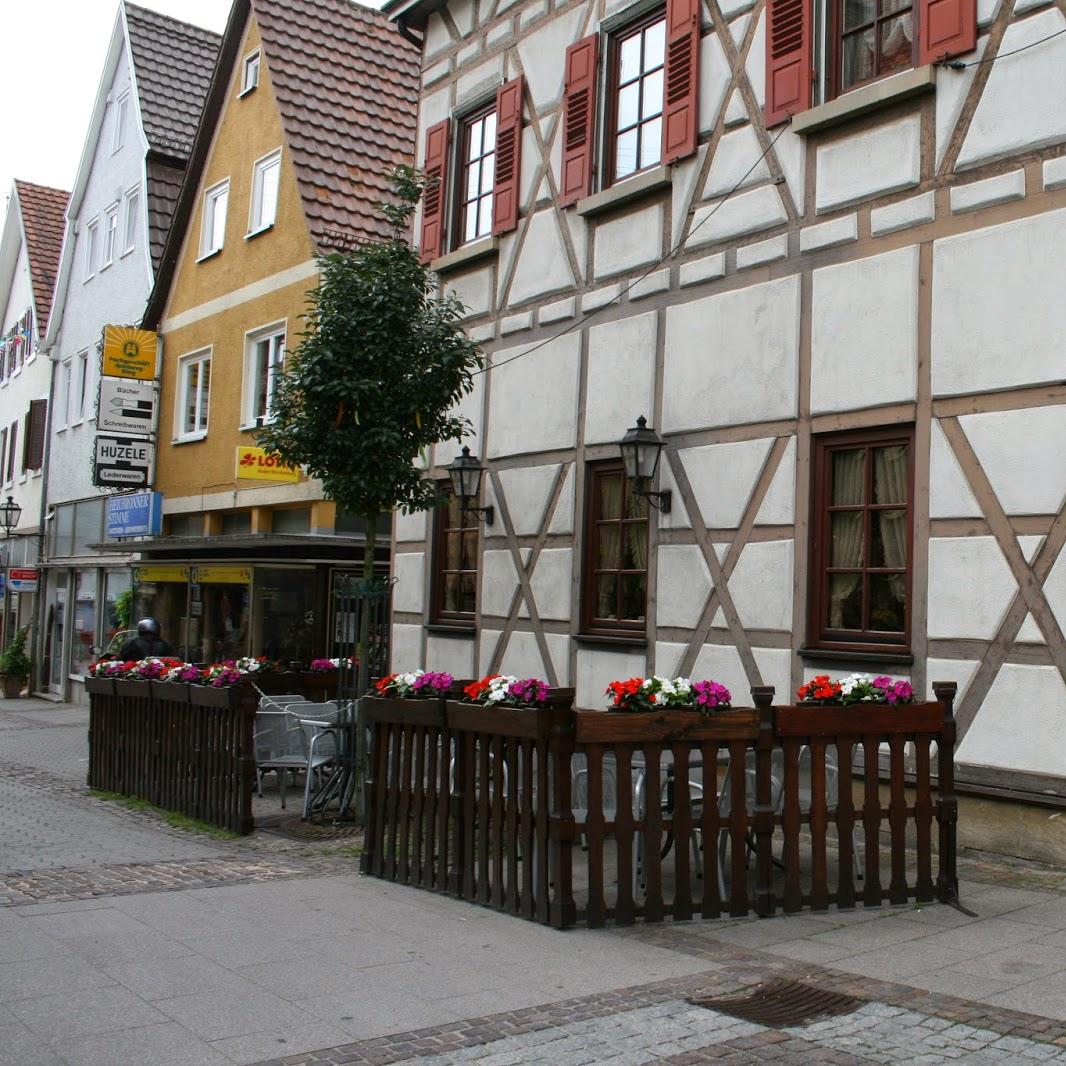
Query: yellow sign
[222,575]
[257,464]
[129,353]
[161,573]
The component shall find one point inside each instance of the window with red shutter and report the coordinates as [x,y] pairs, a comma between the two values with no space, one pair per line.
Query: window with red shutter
[788,59]
[946,28]
[433,198]
[579,120]
[35,431]
[508,157]
[681,124]
[475,175]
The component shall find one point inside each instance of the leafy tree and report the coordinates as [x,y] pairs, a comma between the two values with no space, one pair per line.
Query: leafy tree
[375,380]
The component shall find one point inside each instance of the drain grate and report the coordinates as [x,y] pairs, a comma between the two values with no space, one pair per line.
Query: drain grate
[782,1004]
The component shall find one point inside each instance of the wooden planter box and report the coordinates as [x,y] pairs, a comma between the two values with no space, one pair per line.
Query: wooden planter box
[101,686]
[171,691]
[133,689]
[858,720]
[429,712]
[610,727]
[209,696]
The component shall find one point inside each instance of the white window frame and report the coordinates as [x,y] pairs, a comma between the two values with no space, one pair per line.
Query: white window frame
[79,381]
[66,379]
[211,196]
[185,363]
[256,222]
[250,419]
[92,240]
[122,110]
[110,245]
[250,71]
[131,202]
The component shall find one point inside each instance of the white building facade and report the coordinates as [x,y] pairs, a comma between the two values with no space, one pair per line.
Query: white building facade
[128,177]
[827,269]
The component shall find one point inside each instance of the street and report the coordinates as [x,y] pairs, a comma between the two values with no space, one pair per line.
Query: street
[127,940]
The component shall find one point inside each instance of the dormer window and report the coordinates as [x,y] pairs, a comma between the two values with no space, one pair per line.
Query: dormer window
[250,76]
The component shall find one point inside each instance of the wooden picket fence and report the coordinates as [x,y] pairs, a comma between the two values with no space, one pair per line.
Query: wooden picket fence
[566,816]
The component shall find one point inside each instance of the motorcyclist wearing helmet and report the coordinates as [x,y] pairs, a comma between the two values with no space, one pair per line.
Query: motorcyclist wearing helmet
[148,642]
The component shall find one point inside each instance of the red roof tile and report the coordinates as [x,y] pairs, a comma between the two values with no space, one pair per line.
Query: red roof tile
[43,220]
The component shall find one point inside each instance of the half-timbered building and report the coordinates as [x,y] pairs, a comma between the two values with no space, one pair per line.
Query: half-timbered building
[819,246]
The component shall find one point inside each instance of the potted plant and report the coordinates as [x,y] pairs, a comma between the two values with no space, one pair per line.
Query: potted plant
[15,664]
[501,704]
[417,696]
[858,703]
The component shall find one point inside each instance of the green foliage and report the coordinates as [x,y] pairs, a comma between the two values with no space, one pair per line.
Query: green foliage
[124,609]
[14,662]
[172,818]
[380,368]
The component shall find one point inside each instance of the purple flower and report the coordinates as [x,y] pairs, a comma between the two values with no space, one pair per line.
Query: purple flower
[528,690]
[711,694]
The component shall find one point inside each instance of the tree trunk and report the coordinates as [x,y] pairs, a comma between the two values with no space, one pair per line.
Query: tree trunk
[363,671]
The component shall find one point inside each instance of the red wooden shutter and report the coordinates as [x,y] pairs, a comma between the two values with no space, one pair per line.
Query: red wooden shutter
[946,28]
[508,157]
[35,426]
[434,196]
[681,110]
[579,120]
[788,59]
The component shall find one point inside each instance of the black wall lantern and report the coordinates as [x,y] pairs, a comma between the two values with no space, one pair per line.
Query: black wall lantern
[10,513]
[465,472]
[641,450]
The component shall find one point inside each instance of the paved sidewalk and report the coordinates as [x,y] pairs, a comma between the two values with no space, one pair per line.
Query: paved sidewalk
[125,941]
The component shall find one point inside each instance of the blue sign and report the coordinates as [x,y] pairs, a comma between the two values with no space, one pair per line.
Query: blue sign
[139,514]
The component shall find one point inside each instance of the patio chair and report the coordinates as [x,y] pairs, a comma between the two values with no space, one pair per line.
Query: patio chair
[280,747]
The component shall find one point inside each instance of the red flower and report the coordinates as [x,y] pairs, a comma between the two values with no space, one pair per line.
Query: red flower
[476,688]
[383,683]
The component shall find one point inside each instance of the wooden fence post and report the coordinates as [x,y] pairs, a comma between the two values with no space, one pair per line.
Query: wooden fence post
[763,819]
[563,912]
[947,804]
[247,705]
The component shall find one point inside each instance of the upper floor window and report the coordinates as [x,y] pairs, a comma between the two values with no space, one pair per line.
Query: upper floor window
[637,62]
[12,448]
[194,386]
[861,543]
[264,359]
[615,593]
[110,236]
[65,390]
[876,38]
[33,436]
[79,387]
[477,170]
[131,220]
[265,179]
[250,72]
[456,536]
[122,110]
[213,229]
[92,247]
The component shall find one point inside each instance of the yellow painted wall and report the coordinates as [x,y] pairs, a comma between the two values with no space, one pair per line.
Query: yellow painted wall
[249,128]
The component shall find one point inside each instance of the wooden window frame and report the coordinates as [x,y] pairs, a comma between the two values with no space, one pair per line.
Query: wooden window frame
[438,615]
[820,636]
[613,72]
[590,624]
[833,49]
[459,203]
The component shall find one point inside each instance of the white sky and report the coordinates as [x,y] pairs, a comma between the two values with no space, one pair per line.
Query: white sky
[53,59]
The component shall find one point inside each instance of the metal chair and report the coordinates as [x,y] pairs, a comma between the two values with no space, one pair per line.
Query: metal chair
[280,747]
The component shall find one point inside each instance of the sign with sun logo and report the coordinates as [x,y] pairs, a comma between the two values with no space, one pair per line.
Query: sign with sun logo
[130,353]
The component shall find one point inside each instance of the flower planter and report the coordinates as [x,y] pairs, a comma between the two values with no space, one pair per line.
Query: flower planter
[529,722]
[100,686]
[856,720]
[691,724]
[13,686]
[429,712]
[132,689]
[209,696]
[171,691]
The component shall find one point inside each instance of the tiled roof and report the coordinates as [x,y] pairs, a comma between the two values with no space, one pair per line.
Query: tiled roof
[173,62]
[347,87]
[43,220]
[164,185]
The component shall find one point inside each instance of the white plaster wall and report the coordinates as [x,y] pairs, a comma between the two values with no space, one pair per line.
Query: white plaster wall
[775,666]
[479,80]
[409,527]
[755,67]
[1013,447]
[951,94]
[1022,722]
[779,504]
[960,671]
[474,290]
[723,477]
[749,212]
[960,606]
[761,585]
[533,405]
[732,358]
[621,372]
[950,495]
[523,657]
[406,650]
[543,266]
[877,160]
[453,655]
[541,54]
[1021,106]
[551,583]
[597,669]
[115,295]
[714,80]
[498,582]
[527,490]
[721,663]
[563,519]
[731,166]
[470,407]
[409,570]
[684,584]
[864,332]
[629,241]
[1055,589]
[998,292]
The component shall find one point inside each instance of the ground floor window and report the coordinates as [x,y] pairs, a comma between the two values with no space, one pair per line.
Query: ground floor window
[861,539]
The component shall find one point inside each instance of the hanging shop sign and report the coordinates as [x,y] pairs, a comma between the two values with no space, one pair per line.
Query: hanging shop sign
[126,406]
[257,464]
[130,353]
[138,515]
[172,574]
[221,575]
[23,579]
[123,461]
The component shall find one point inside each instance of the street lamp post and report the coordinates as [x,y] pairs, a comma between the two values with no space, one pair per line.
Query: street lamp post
[465,472]
[10,513]
[641,450]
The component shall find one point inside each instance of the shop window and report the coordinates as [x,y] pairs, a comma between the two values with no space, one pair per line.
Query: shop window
[81,650]
[291,520]
[285,615]
[185,525]
[236,523]
[861,545]
[88,525]
[615,592]
[456,535]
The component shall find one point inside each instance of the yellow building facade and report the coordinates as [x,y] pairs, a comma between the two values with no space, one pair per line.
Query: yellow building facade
[250,552]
